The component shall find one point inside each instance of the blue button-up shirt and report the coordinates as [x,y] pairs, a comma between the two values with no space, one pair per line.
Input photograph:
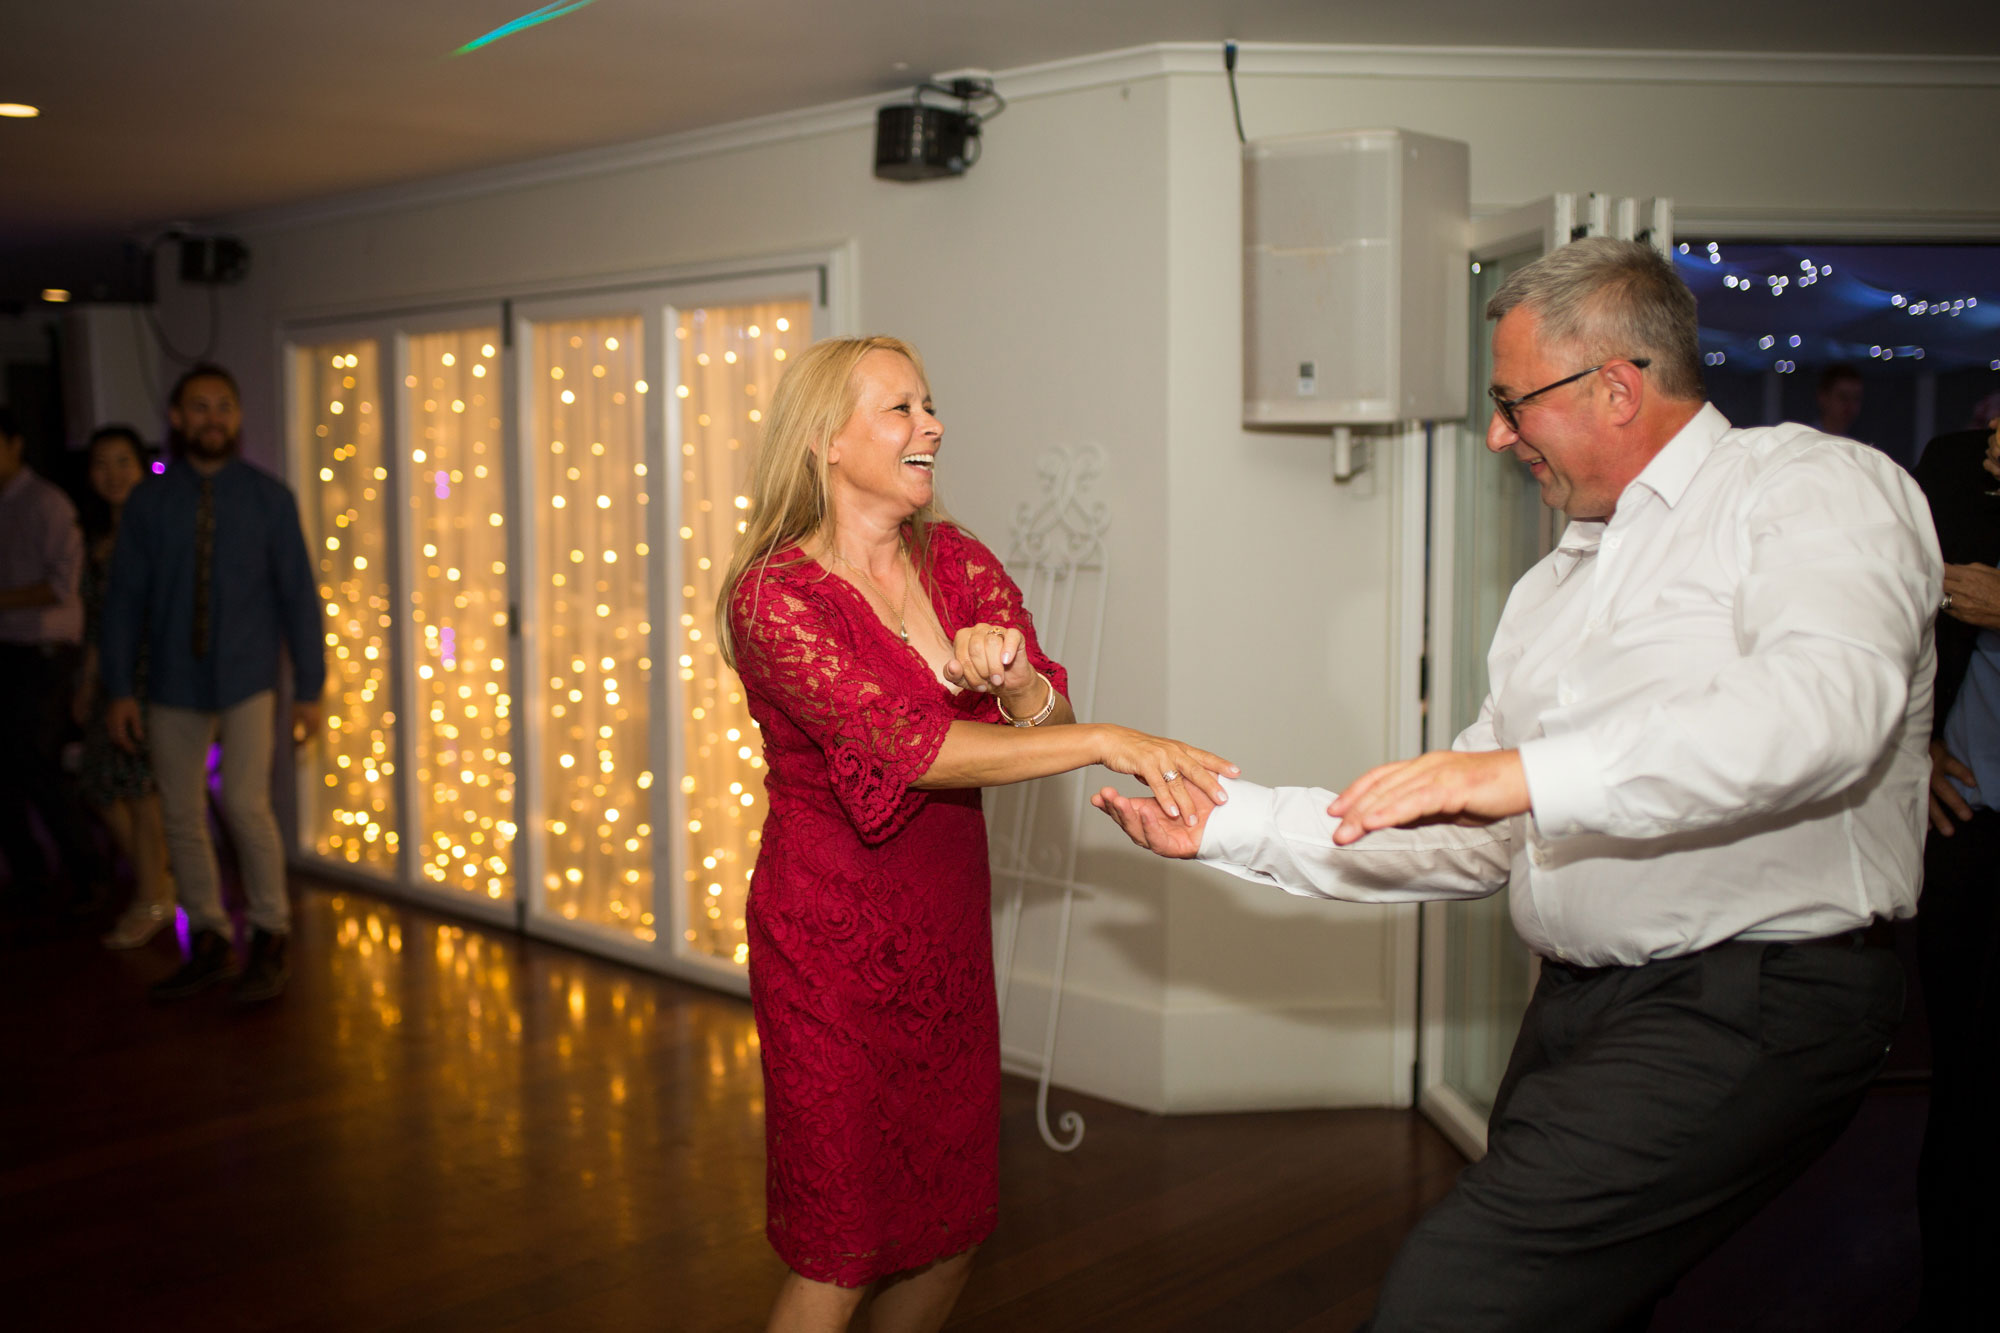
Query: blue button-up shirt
[1972,732]
[261,592]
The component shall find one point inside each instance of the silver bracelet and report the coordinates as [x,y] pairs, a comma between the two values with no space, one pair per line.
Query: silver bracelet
[1048,708]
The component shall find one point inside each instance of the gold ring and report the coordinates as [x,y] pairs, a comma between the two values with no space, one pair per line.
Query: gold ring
[1945,605]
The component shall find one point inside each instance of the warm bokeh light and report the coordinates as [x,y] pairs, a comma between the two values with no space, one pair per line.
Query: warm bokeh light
[586,443]
[457,562]
[729,362]
[589,684]
[348,799]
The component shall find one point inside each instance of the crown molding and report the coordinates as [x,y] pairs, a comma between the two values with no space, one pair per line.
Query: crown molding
[1543,64]
[1257,60]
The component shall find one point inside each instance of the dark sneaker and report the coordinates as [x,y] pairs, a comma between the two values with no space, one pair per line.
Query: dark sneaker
[265,974]
[208,962]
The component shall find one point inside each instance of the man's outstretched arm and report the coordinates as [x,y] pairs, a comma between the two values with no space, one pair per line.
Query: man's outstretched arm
[1283,836]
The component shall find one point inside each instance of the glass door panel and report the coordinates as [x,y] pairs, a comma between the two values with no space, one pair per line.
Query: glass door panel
[348,808]
[1501,533]
[586,451]
[458,563]
[1497,529]
[729,359]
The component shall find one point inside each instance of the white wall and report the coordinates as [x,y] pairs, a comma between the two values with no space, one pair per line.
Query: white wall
[112,371]
[1296,686]
[1083,284]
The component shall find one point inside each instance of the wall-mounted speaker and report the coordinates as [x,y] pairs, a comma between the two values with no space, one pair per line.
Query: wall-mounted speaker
[1354,278]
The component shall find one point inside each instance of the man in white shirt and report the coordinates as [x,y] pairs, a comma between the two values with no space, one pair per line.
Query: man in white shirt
[1700,773]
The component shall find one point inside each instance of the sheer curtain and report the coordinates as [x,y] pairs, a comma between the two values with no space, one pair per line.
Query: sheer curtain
[729,361]
[462,747]
[348,800]
[588,457]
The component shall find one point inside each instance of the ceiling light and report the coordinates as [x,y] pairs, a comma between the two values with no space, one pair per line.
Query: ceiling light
[55,295]
[19,110]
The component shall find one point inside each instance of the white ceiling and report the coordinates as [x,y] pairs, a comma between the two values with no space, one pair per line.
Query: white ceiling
[155,112]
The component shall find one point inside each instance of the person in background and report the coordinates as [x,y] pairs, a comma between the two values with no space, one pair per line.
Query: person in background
[116,782]
[1839,398]
[210,575]
[1958,928]
[41,624]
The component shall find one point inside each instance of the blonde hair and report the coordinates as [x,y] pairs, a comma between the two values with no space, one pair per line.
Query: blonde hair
[788,484]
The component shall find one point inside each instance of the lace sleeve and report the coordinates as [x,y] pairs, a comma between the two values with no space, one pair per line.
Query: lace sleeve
[996,599]
[793,649]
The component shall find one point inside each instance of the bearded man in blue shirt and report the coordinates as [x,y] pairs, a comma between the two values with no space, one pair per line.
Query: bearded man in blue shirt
[211,573]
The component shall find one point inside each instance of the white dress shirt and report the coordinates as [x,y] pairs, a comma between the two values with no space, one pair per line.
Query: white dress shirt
[1722,701]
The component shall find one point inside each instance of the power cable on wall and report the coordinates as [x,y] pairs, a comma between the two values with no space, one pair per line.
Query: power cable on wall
[1229,64]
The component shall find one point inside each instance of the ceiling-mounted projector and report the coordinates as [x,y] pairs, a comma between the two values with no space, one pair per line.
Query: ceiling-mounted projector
[917,141]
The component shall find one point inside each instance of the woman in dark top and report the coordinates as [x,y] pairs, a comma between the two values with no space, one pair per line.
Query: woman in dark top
[118,783]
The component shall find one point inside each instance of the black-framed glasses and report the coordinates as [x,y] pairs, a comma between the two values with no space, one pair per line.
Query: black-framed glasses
[1505,406]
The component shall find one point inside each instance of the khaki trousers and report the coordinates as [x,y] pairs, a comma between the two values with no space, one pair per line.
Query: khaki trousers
[180,740]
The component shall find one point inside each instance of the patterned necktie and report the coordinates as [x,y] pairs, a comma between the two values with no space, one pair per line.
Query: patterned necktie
[204,559]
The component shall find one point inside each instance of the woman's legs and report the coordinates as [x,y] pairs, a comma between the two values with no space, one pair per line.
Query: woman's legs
[915,1301]
[806,1306]
[919,1300]
[141,839]
[149,852]
[116,816]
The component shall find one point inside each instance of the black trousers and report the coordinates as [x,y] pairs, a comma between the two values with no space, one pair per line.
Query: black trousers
[1646,1114]
[1958,1179]
[36,687]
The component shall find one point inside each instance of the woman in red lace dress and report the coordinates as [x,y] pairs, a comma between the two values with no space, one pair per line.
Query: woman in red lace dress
[883,652]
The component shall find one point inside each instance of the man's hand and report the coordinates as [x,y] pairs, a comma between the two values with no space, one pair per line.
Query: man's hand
[1146,824]
[1945,800]
[1974,591]
[305,720]
[1478,787]
[121,719]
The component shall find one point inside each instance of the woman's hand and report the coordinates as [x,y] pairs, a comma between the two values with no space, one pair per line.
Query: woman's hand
[1169,767]
[993,659]
[1946,803]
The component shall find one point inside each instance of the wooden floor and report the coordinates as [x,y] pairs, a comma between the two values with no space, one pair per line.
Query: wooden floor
[441,1126]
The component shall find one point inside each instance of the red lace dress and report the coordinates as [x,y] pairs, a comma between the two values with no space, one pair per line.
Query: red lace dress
[871,956]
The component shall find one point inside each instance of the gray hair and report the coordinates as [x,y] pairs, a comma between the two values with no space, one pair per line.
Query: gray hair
[1607,299]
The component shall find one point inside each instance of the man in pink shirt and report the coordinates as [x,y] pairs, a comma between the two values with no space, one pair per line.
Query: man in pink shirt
[41,626]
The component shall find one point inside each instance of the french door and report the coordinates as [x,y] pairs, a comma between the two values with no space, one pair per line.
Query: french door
[520,513]
[1488,526]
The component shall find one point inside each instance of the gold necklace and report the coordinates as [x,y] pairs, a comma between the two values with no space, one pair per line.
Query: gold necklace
[902,617]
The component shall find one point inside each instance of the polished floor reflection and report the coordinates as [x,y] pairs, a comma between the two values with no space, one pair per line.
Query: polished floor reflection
[444,1126]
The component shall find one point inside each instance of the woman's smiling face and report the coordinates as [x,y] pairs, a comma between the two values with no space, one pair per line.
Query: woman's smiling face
[882,458]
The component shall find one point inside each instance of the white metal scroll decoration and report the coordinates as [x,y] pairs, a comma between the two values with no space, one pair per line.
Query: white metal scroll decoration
[1057,555]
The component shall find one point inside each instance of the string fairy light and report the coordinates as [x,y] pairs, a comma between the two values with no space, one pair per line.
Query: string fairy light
[730,360]
[592,622]
[463,744]
[589,676]
[349,805]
